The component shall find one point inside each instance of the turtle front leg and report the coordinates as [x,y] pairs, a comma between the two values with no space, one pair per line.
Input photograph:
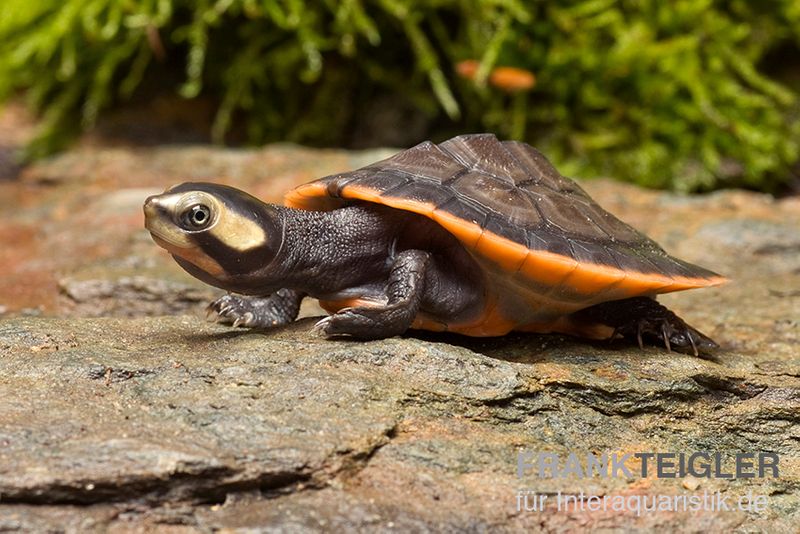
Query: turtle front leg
[278,309]
[643,318]
[404,292]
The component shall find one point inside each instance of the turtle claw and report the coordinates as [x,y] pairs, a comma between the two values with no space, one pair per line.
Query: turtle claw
[694,346]
[331,325]
[243,320]
[232,310]
[320,328]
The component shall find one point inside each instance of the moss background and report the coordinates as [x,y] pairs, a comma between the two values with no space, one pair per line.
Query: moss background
[691,95]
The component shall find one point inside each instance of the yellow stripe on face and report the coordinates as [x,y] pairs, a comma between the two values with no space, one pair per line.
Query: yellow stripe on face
[232,228]
[238,231]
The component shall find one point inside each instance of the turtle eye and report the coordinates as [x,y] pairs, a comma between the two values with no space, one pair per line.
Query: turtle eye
[196,217]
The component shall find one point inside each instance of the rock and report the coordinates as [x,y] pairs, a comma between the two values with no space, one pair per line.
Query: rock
[281,428]
[133,296]
[120,408]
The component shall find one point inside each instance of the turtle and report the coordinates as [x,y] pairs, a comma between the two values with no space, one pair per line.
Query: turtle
[473,236]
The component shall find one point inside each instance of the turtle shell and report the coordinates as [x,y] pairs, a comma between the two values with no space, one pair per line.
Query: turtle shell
[542,240]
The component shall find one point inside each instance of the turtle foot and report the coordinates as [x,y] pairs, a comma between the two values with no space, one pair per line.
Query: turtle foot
[645,320]
[366,323]
[673,332]
[278,309]
[233,310]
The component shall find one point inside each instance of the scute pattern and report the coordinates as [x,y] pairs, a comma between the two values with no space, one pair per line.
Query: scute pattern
[511,190]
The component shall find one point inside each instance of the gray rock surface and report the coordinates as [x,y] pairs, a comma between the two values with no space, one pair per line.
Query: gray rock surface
[122,410]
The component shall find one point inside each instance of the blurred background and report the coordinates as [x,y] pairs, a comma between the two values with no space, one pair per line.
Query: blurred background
[686,95]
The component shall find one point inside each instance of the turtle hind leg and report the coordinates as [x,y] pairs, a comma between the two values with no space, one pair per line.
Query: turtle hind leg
[644,319]
[278,309]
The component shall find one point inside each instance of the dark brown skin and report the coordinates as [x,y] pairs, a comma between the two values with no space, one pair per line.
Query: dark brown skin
[373,253]
[474,236]
[366,252]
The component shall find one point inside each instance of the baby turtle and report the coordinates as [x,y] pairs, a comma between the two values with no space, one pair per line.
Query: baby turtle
[473,236]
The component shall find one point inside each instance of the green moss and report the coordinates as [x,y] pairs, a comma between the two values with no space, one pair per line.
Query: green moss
[684,94]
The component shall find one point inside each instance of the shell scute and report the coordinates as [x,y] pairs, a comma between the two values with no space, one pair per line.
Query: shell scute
[425,161]
[483,153]
[517,215]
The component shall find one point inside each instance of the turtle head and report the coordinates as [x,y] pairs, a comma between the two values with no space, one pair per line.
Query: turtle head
[219,234]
